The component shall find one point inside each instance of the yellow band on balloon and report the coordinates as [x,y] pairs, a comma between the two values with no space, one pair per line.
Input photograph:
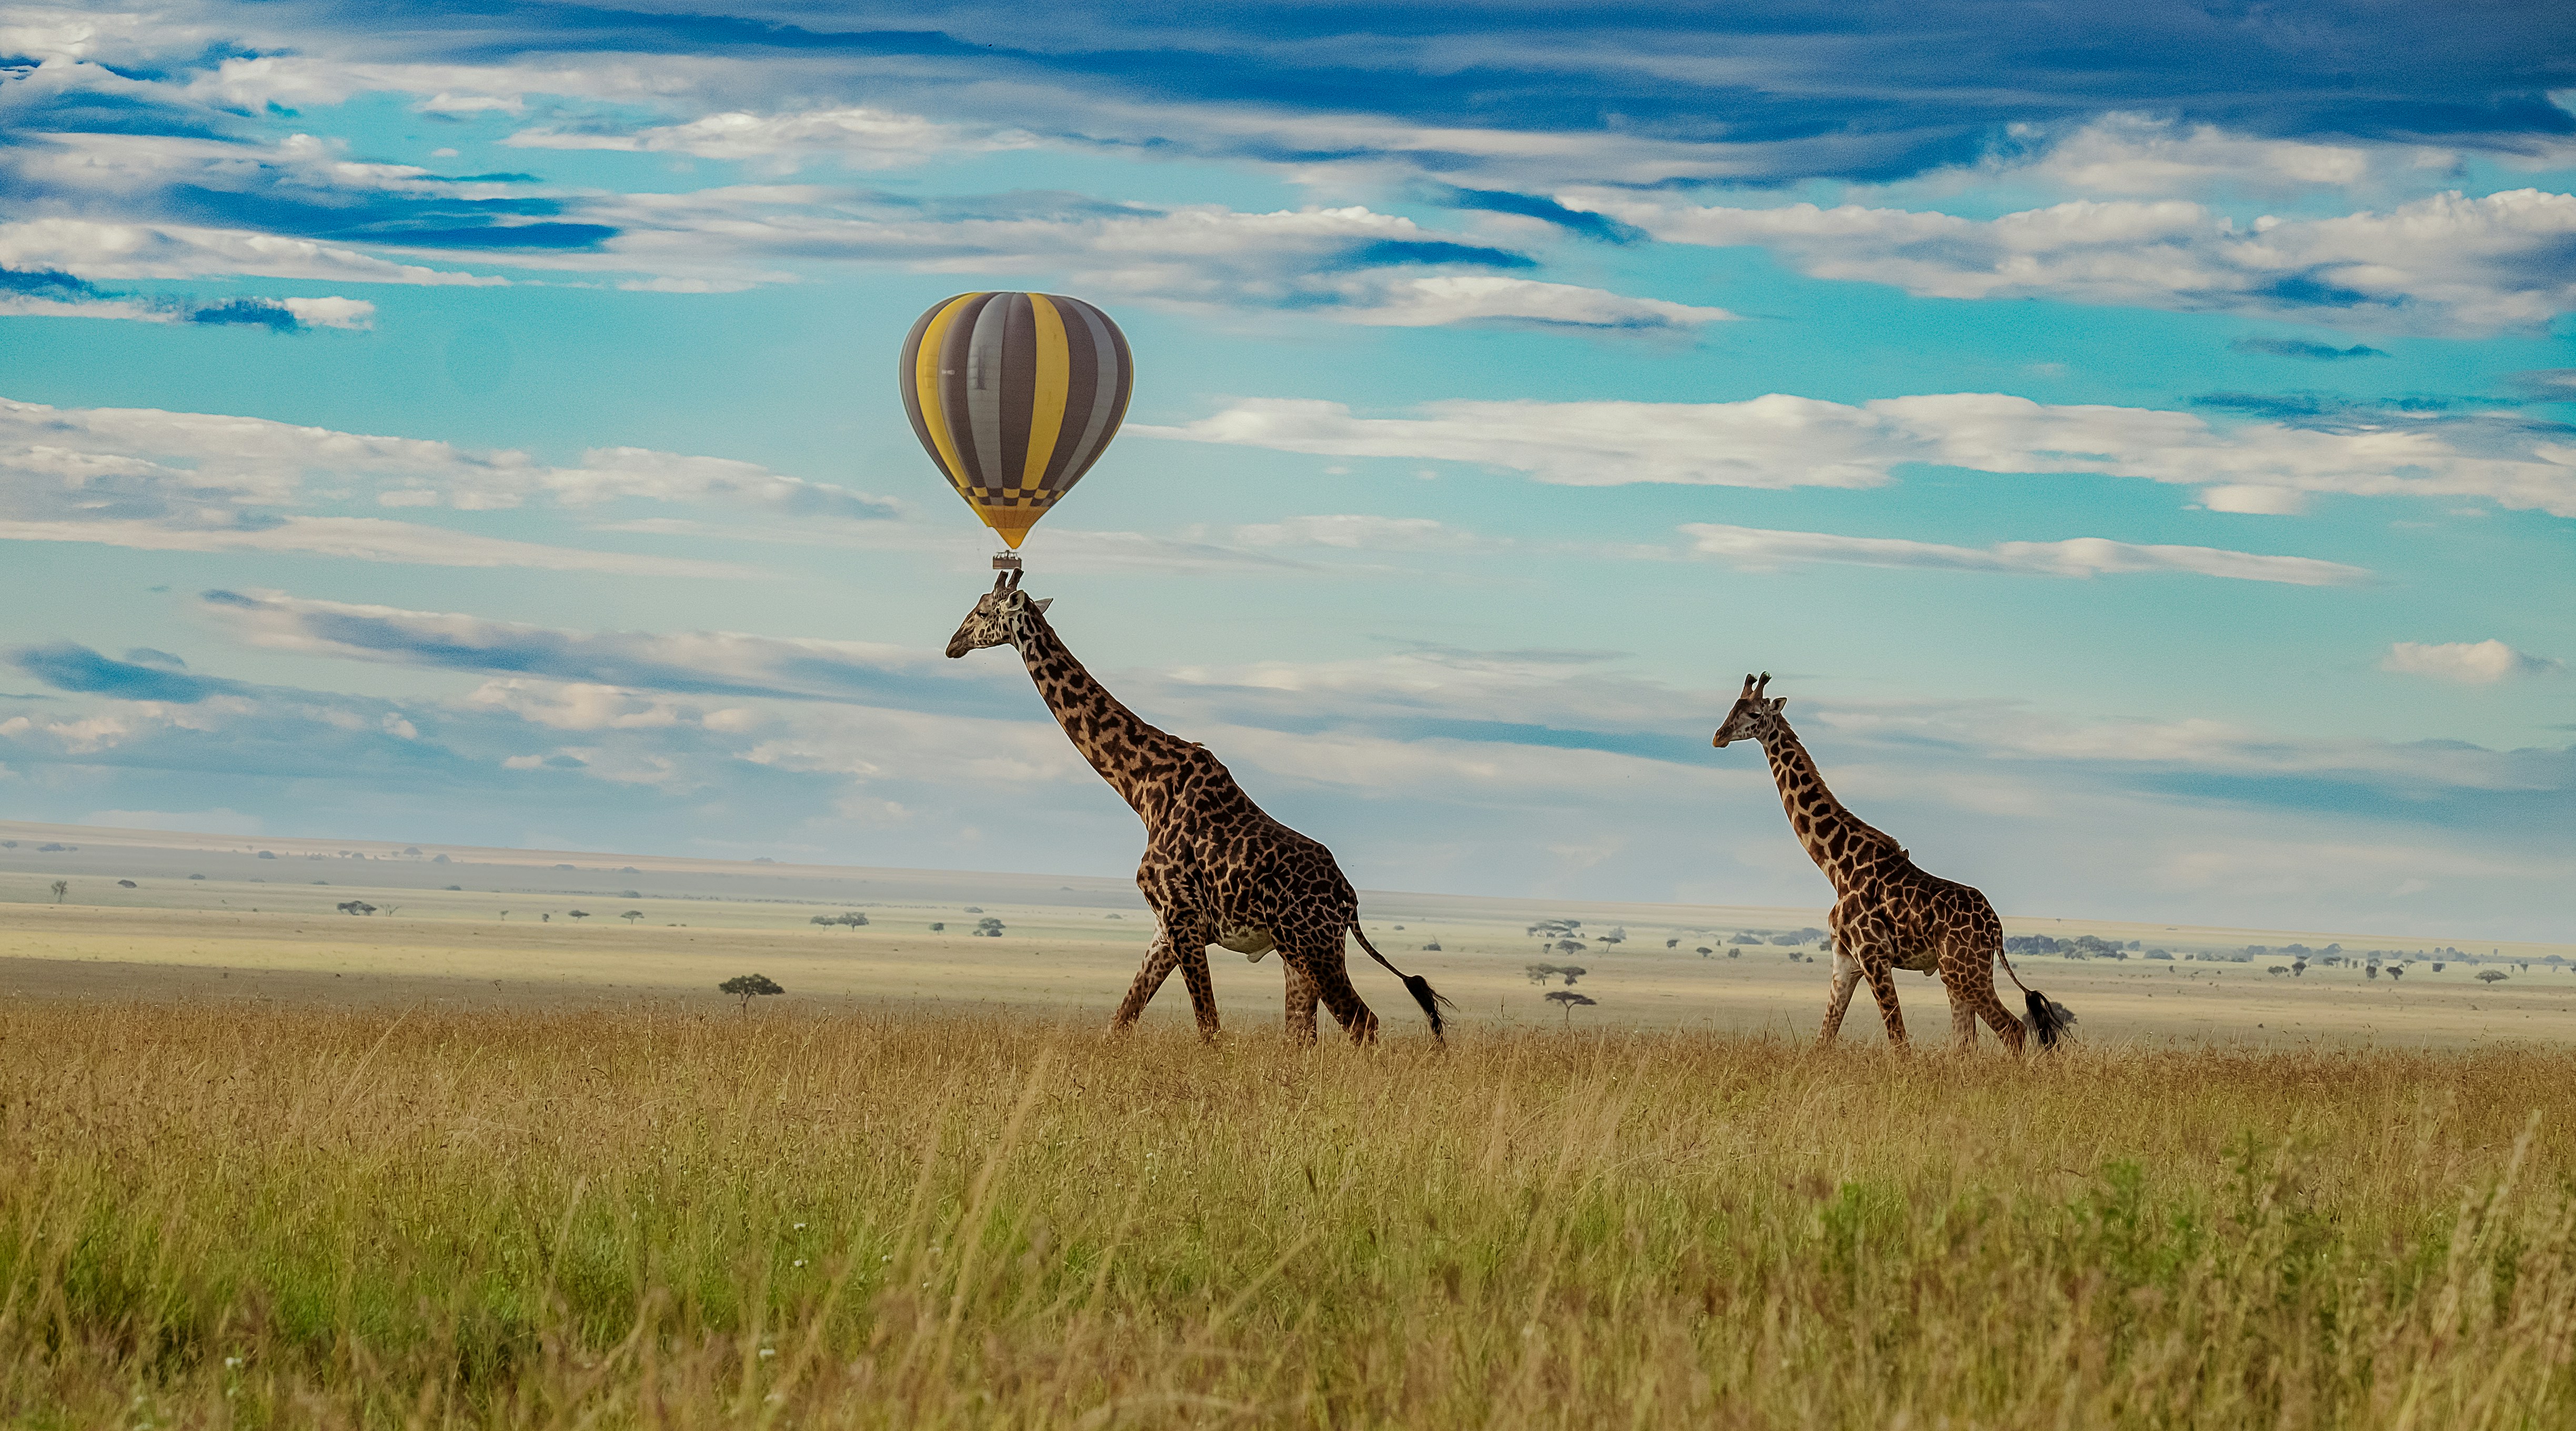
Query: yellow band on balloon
[1054,383]
[926,387]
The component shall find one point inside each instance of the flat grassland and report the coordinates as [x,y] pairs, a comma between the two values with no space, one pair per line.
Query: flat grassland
[156,916]
[264,1162]
[228,1213]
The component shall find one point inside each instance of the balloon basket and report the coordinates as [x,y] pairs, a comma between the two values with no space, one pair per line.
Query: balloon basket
[1006,561]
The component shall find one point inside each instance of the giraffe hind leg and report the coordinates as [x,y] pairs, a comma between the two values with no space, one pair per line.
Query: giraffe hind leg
[1333,981]
[1303,996]
[1989,1005]
[1202,987]
[1963,1016]
[1882,986]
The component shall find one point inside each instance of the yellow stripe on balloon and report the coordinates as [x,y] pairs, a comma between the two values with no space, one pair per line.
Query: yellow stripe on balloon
[1054,382]
[925,387]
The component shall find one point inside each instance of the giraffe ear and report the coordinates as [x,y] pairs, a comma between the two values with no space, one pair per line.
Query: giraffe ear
[1042,603]
[1778,703]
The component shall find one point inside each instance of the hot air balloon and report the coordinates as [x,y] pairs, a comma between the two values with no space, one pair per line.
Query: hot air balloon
[1015,396]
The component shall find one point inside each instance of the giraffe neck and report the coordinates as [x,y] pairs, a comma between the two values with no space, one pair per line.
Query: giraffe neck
[1120,745]
[1836,839]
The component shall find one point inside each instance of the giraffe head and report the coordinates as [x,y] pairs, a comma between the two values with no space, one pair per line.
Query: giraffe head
[1755,715]
[998,617]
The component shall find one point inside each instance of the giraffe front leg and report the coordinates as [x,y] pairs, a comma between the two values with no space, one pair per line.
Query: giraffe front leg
[1180,931]
[1846,978]
[1159,961]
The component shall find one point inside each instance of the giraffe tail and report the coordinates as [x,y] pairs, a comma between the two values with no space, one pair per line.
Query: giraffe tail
[1431,1000]
[2048,1018]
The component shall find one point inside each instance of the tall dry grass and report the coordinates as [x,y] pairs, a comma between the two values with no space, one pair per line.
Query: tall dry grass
[235,1216]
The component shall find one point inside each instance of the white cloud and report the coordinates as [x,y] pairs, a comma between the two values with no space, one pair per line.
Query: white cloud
[580,678]
[2473,663]
[857,135]
[1465,298]
[1359,532]
[368,539]
[2255,500]
[2078,557]
[97,249]
[349,313]
[205,474]
[2141,155]
[1783,441]
[2445,263]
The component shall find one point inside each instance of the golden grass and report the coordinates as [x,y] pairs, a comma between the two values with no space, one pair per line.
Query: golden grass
[228,1215]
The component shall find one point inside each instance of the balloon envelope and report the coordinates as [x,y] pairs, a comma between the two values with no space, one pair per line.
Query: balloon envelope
[1015,396]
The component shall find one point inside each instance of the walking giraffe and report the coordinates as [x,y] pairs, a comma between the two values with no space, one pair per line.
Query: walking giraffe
[1217,868]
[1888,914]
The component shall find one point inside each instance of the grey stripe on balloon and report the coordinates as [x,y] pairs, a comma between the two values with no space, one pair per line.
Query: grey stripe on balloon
[1104,393]
[984,356]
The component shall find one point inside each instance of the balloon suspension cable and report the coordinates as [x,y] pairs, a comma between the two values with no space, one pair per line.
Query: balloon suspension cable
[1006,561]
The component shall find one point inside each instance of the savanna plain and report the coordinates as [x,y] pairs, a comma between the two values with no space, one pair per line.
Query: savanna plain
[269,1161]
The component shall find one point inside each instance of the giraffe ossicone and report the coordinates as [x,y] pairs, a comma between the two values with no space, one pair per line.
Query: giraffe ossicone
[1888,913]
[1217,868]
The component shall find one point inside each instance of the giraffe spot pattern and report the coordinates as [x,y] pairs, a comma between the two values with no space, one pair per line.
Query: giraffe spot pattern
[1217,868]
[1888,913]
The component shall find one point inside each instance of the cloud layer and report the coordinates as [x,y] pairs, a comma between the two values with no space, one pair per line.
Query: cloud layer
[878,753]
[2471,663]
[175,481]
[1780,441]
[2444,264]
[2080,557]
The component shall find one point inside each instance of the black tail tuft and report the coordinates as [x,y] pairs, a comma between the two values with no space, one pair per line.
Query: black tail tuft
[2048,1018]
[1431,1000]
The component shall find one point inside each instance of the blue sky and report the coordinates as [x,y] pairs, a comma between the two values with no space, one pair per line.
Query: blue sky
[2139,438]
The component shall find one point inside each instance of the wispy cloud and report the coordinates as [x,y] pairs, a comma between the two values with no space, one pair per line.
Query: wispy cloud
[857,136]
[1782,441]
[147,248]
[369,539]
[2447,263]
[180,481]
[2470,663]
[2078,557]
[704,663]
[50,293]
[2300,348]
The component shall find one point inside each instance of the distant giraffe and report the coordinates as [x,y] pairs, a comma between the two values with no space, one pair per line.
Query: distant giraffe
[1888,914]
[1217,868]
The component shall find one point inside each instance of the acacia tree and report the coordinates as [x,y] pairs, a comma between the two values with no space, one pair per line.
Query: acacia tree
[631,916]
[1567,999]
[61,887]
[747,987]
